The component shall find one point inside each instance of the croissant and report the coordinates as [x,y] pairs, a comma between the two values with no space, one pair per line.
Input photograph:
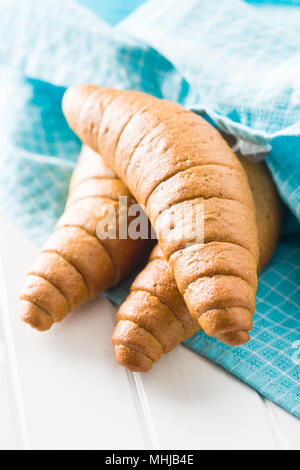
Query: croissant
[154,318]
[74,265]
[174,163]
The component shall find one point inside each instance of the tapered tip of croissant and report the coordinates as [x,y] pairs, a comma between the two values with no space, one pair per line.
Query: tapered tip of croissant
[234,338]
[132,359]
[76,94]
[229,325]
[82,107]
[35,316]
[70,94]
[74,99]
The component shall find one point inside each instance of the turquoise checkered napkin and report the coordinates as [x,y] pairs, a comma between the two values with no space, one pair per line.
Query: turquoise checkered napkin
[225,59]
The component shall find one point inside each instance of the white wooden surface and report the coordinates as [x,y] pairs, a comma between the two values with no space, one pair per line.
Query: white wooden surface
[63,389]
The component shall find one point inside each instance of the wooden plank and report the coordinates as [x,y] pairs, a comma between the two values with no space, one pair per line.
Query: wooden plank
[194,404]
[75,395]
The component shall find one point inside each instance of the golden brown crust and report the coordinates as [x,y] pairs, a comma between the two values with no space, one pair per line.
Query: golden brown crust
[83,252]
[45,295]
[149,143]
[149,313]
[35,316]
[196,181]
[215,258]
[134,360]
[144,303]
[155,279]
[140,340]
[63,276]
[269,208]
[74,265]
[223,220]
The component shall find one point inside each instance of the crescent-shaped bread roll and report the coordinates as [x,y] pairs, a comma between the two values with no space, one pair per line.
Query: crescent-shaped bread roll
[195,192]
[75,265]
[155,308]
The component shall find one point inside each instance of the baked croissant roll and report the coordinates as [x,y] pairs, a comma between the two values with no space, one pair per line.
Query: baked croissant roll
[75,265]
[154,318]
[175,163]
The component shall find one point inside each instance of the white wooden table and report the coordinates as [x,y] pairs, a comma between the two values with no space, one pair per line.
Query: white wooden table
[63,390]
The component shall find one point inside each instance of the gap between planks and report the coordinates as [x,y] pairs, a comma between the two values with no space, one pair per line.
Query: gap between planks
[22,435]
[146,421]
[279,438]
[143,410]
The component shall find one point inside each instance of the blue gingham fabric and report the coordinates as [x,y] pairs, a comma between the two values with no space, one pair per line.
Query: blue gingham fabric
[236,63]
